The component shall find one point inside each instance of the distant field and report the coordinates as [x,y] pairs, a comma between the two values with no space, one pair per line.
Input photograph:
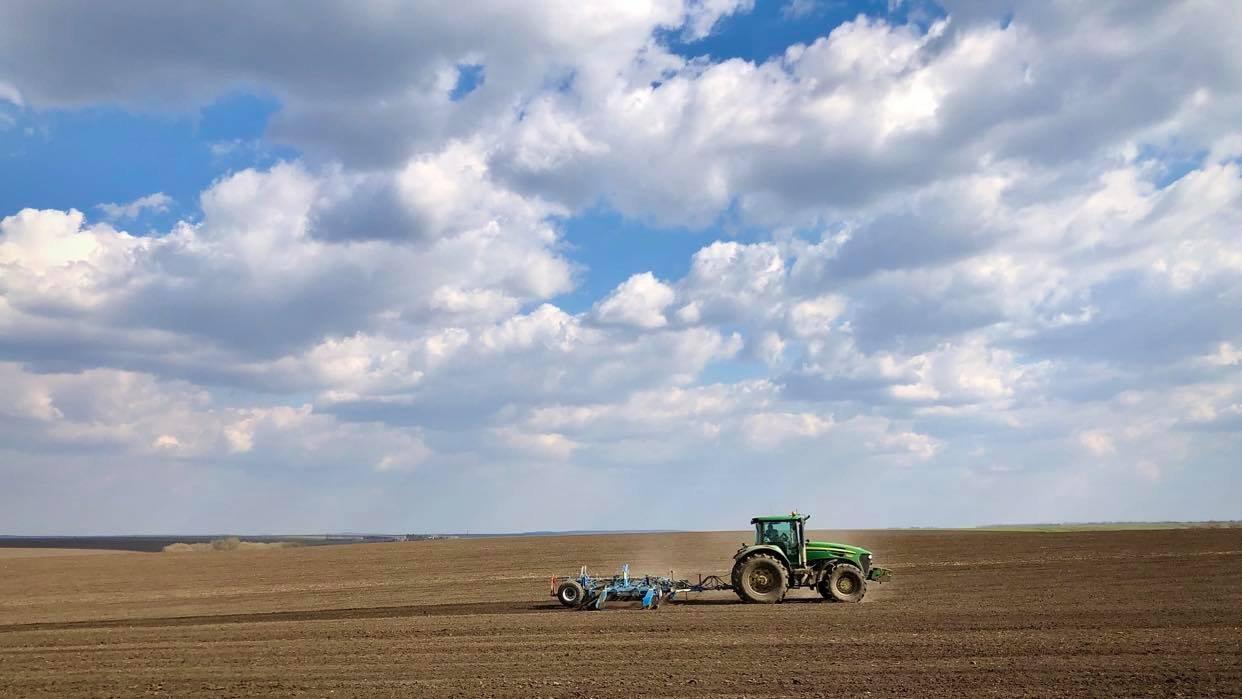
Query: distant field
[6,553]
[159,542]
[969,613]
[182,542]
[1106,526]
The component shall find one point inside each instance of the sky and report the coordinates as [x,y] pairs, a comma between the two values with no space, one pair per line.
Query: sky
[400,267]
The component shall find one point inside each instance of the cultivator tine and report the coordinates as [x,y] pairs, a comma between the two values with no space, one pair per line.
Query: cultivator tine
[651,599]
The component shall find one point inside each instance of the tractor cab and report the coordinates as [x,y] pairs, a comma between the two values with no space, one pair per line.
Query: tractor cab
[786,532]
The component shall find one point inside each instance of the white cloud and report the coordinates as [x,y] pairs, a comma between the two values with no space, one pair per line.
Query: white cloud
[796,9]
[771,348]
[971,373]
[1097,443]
[859,115]
[250,278]
[772,429]
[815,316]
[1225,355]
[731,281]
[638,301]
[10,94]
[157,202]
[127,413]
[540,444]
[702,15]
[52,260]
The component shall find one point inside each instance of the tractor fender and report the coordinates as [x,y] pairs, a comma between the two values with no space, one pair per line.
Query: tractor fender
[823,569]
[748,551]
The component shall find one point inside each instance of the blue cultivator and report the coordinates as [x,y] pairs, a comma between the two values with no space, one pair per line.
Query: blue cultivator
[588,592]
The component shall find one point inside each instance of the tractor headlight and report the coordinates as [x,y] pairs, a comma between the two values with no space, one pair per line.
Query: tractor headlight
[866,562]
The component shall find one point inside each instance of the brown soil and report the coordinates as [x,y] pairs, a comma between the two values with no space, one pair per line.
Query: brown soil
[1130,613]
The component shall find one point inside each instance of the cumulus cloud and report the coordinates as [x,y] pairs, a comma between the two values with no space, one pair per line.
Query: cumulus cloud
[639,301]
[770,429]
[874,110]
[368,83]
[252,279]
[986,254]
[731,281]
[108,411]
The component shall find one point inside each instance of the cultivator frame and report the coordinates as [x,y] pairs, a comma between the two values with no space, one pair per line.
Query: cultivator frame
[586,591]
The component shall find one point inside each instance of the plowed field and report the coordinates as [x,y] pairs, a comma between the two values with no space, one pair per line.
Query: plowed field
[1129,613]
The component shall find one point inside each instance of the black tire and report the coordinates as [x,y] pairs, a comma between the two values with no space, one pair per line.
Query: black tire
[761,579]
[846,583]
[822,586]
[570,593]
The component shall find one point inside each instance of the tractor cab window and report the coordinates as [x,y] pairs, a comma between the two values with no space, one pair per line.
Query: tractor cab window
[779,534]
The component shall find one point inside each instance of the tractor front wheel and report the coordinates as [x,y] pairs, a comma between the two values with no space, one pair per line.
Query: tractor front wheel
[570,593]
[844,584]
[761,579]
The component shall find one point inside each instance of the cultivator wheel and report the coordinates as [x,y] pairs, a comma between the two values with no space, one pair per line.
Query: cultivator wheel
[761,579]
[571,594]
[846,583]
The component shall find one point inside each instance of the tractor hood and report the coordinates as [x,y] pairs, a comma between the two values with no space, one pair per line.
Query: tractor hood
[834,548]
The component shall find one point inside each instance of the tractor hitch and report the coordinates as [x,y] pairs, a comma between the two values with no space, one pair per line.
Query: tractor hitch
[879,574]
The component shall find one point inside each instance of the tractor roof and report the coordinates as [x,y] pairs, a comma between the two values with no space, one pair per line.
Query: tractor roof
[779,518]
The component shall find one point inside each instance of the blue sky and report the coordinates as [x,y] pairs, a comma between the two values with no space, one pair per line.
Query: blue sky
[79,158]
[394,265]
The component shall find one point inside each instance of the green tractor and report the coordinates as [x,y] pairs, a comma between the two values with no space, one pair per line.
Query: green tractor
[781,558]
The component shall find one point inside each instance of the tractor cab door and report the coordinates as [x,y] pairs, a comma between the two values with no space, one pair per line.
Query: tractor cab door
[783,535]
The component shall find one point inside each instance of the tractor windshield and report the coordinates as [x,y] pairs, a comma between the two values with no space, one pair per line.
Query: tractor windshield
[778,534]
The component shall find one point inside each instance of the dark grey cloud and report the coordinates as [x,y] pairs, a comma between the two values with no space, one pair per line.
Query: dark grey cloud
[913,320]
[372,210]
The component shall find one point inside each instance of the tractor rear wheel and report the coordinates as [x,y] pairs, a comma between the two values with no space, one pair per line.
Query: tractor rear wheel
[570,593]
[761,579]
[846,583]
